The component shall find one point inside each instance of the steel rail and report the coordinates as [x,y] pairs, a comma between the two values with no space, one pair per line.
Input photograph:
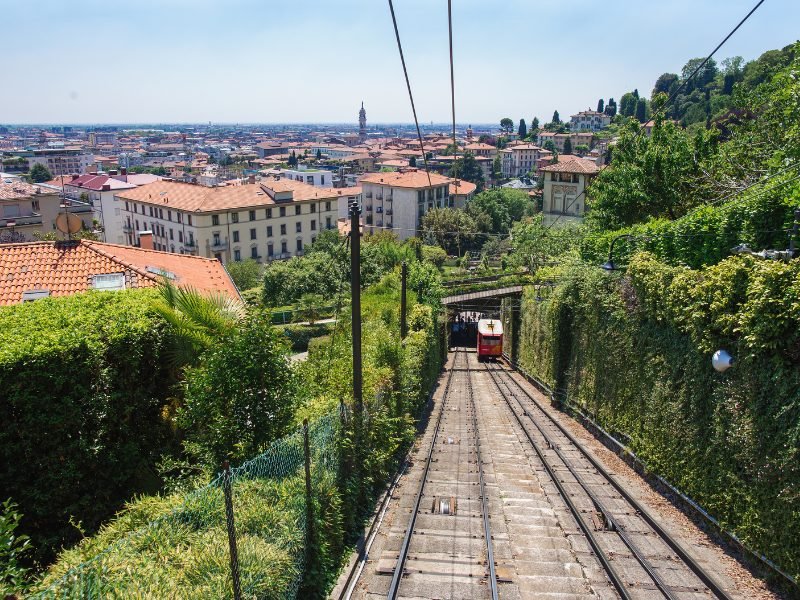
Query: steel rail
[610,520]
[484,501]
[641,511]
[615,577]
[401,559]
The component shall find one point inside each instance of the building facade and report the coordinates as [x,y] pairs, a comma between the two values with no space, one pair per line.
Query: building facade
[519,160]
[26,210]
[397,202]
[565,183]
[269,220]
[589,120]
[61,162]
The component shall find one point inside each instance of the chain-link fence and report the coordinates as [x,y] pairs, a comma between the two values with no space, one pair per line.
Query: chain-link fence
[244,535]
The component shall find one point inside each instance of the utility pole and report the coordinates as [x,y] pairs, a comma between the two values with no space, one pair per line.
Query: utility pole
[403,316]
[355,295]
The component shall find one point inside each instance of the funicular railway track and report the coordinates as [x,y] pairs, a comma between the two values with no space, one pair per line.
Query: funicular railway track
[447,547]
[640,558]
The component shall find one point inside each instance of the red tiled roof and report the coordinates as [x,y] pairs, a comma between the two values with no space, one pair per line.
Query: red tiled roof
[573,165]
[406,179]
[66,268]
[464,188]
[21,189]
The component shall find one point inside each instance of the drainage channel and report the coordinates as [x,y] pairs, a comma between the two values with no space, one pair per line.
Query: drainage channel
[639,557]
[447,547]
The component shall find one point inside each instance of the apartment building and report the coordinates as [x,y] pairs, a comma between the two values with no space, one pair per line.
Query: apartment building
[27,209]
[269,220]
[563,197]
[61,162]
[518,160]
[317,177]
[398,201]
[589,120]
[558,139]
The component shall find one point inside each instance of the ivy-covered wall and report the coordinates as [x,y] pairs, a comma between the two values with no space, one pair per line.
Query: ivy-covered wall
[83,383]
[635,350]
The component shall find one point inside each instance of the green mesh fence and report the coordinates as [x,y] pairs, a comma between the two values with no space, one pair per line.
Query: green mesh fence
[184,552]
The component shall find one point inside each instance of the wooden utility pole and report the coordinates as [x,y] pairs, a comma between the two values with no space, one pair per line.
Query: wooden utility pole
[403,316]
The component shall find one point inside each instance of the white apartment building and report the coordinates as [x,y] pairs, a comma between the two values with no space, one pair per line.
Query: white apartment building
[269,220]
[519,160]
[316,177]
[397,201]
[563,197]
[589,120]
[61,162]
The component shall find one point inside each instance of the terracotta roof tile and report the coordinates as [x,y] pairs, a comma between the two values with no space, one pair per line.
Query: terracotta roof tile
[66,268]
[406,179]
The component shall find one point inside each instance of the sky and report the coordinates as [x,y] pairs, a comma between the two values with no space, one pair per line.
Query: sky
[315,61]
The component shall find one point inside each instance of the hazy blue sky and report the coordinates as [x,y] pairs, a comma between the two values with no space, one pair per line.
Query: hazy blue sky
[93,61]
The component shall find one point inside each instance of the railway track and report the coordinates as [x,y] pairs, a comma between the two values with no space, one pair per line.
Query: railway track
[447,548]
[640,558]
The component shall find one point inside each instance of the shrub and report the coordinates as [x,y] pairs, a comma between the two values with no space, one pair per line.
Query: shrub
[85,384]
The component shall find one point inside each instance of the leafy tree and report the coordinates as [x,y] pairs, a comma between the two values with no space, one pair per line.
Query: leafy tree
[40,173]
[535,124]
[412,162]
[568,146]
[309,307]
[704,77]
[506,124]
[649,177]
[487,139]
[665,84]
[241,396]
[556,118]
[495,210]
[600,105]
[611,108]
[467,168]
[245,274]
[549,145]
[292,162]
[450,228]
[581,150]
[497,168]
[435,255]
[319,154]
[536,246]
[641,110]
[523,129]
[627,105]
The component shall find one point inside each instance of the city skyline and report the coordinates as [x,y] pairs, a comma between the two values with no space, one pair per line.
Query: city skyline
[246,63]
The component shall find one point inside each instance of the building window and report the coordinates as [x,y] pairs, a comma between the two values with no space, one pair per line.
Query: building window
[313,225]
[298,209]
[298,227]
[252,234]
[283,211]
[269,230]
[327,206]
[151,210]
[237,255]
[252,215]
[270,250]
[254,252]
[126,206]
[269,213]
[190,220]
[328,223]
[109,282]
[299,245]
[283,229]
[171,234]
[235,236]
[169,215]
[421,196]
[160,213]
[179,217]
[235,217]
[284,248]
[180,237]
[214,220]
[216,239]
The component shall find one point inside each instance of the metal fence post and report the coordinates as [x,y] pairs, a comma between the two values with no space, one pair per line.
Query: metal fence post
[226,487]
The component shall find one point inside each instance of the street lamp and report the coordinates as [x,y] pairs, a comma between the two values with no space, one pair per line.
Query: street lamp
[609,265]
[722,361]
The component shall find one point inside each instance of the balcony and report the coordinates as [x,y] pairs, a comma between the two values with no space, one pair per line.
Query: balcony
[127,228]
[379,196]
[389,211]
[368,207]
[379,209]
[379,223]
[219,245]
[368,195]
[389,224]
[21,221]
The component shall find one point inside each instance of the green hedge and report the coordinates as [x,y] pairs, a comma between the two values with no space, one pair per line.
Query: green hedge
[84,383]
[760,218]
[635,351]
